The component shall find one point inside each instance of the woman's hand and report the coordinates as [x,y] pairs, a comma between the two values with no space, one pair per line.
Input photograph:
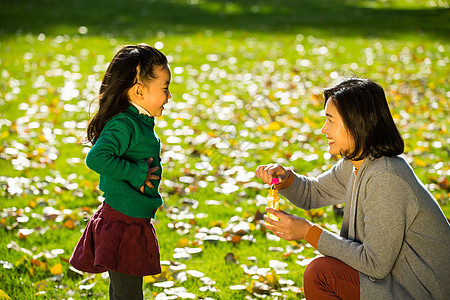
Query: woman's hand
[289,227]
[267,172]
[150,175]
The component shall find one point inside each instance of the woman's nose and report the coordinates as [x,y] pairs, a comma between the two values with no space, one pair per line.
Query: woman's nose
[324,128]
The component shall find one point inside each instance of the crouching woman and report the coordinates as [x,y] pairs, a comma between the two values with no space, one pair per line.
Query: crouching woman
[394,241]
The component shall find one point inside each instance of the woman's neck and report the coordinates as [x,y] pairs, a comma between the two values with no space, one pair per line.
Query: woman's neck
[357,163]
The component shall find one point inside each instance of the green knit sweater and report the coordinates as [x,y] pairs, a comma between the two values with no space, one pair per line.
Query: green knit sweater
[119,156]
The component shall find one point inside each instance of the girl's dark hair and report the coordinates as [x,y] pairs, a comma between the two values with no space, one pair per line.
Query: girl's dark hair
[131,64]
[362,105]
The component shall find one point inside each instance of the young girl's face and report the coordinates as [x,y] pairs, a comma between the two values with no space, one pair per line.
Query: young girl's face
[156,93]
[339,139]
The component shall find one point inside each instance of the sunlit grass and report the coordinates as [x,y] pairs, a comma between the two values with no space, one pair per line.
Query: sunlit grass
[245,93]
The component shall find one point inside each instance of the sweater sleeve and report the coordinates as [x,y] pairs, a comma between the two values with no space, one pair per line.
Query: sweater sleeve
[287,182]
[106,156]
[385,209]
[313,235]
[327,189]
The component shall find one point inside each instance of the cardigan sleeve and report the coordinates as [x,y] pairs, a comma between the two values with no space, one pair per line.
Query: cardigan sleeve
[327,189]
[384,210]
[313,235]
[105,157]
[287,182]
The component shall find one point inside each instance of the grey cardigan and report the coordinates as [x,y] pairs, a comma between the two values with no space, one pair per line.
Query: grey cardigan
[393,231]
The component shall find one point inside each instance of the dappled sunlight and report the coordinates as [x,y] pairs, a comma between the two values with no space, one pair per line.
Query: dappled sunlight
[247,80]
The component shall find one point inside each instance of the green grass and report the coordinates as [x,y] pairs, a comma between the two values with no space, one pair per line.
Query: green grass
[247,74]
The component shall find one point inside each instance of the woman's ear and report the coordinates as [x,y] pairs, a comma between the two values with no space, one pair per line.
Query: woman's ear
[135,93]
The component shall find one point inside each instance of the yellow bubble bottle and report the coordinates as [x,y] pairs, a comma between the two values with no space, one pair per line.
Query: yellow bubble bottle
[273,199]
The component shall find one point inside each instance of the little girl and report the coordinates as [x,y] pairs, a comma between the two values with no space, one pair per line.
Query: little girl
[119,237]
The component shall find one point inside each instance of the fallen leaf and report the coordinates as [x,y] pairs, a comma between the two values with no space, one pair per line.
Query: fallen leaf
[4,296]
[230,258]
[69,224]
[164,284]
[238,287]
[41,285]
[24,233]
[184,242]
[56,269]
[87,286]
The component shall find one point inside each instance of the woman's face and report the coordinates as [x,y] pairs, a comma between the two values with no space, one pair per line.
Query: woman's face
[339,139]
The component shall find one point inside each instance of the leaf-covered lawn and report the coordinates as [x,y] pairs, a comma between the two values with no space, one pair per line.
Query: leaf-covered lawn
[247,81]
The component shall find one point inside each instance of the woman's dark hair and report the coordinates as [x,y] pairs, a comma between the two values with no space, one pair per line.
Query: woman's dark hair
[362,105]
[131,64]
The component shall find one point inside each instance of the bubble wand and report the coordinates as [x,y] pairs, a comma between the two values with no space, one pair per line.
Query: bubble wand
[273,199]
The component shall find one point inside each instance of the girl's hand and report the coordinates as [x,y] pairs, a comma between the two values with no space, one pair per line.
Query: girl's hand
[289,227]
[267,172]
[150,175]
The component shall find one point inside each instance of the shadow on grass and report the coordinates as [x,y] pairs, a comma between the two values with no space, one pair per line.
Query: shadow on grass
[141,18]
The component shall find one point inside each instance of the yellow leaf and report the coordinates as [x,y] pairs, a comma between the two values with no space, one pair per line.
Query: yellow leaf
[274,126]
[41,285]
[250,288]
[149,279]
[4,296]
[217,224]
[43,266]
[420,163]
[272,278]
[165,275]
[246,215]
[21,261]
[56,269]
[184,242]
[308,121]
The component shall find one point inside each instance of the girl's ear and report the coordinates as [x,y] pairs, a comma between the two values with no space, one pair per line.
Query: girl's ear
[135,93]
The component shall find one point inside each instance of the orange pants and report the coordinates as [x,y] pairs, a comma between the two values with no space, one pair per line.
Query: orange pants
[329,278]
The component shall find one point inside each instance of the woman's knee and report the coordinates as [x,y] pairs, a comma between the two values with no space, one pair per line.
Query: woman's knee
[315,269]
[329,278]
[321,269]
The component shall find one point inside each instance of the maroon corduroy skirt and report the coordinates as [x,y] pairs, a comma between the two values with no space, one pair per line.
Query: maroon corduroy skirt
[115,242]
